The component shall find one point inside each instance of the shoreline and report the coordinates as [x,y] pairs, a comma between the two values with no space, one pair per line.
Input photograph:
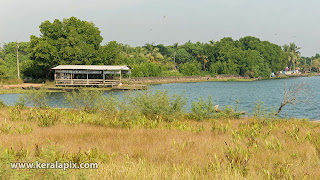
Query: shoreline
[216,78]
[139,81]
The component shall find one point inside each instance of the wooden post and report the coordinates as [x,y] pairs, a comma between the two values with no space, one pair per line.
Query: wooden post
[55,76]
[71,77]
[120,78]
[17,47]
[103,77]
[87,77]
[174,60]
[129,76]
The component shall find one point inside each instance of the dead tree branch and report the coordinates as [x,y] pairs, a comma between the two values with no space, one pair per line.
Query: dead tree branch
[291,95]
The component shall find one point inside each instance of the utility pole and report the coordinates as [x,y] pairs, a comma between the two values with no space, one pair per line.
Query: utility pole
[17,48]
[174,60]
[175,46]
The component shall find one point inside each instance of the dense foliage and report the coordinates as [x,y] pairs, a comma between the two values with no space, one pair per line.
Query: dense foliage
[310,63]
[73,41]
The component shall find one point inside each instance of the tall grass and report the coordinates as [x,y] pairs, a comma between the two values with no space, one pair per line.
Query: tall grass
[2,104]
[158,106]
[248,148]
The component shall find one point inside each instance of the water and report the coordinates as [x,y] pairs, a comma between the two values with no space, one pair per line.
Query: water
[270,92]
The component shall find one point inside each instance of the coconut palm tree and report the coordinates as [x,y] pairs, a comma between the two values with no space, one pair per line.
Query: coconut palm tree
[293,54]
[153,53]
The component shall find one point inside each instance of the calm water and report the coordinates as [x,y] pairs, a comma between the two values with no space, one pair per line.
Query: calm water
[227,93]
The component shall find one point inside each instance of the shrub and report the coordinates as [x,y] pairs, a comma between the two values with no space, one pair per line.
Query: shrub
[147,70]
[202,109]
[2,104]
[44,118]
[171,73]
[15,114]
[88,101]
[189,69]
[109,105]
[21,103]
[38,98]
[159,105]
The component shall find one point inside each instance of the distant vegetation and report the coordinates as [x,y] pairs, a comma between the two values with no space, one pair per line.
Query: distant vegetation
[73,41]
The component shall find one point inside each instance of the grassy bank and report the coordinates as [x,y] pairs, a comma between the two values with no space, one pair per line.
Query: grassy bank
[151,136]
[209,80]
[48,88]
[222,148]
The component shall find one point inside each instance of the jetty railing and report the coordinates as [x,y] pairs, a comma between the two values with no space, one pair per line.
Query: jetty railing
[86,82]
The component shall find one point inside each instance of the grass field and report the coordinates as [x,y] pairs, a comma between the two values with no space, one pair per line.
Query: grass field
[155,142]
[217,148]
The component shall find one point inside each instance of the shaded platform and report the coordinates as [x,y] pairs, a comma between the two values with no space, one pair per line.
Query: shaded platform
[90,75]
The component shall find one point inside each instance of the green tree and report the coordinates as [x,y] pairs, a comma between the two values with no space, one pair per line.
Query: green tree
[175,47]
[316,65]
[70,41]
[271,53]
[182,56]
[2,54]
[3,70]
[111,53]
[293,54]
[153,54]
[147,69]
[10,58]
[189,69]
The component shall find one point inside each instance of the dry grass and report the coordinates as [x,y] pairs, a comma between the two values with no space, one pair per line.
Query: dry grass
[223,149]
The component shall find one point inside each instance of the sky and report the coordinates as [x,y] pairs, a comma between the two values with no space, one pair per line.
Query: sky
[136,22]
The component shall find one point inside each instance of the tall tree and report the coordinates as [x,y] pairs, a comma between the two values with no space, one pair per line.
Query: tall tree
[70,41]
[10,57]
[1,52]
[153,54]
[292,50]
[112,53]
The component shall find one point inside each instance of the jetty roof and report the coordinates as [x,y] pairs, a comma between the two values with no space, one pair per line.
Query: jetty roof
[91,67]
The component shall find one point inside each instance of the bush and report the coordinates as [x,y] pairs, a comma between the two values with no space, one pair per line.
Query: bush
[21,103]
[2,104]
[189,69]
[44,118]
[15,114]
[159,105]
[147,70]
[38,98]
[171,73]
[85,100]
[202,109]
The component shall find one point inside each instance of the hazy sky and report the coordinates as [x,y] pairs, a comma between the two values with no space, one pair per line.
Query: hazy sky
[136,22]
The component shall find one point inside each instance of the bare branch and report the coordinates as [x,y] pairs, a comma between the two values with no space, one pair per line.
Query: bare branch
[291,95]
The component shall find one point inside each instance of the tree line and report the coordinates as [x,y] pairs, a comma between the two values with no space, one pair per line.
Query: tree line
[76,42]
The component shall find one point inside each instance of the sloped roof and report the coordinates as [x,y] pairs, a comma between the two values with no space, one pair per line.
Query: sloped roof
[91,67]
